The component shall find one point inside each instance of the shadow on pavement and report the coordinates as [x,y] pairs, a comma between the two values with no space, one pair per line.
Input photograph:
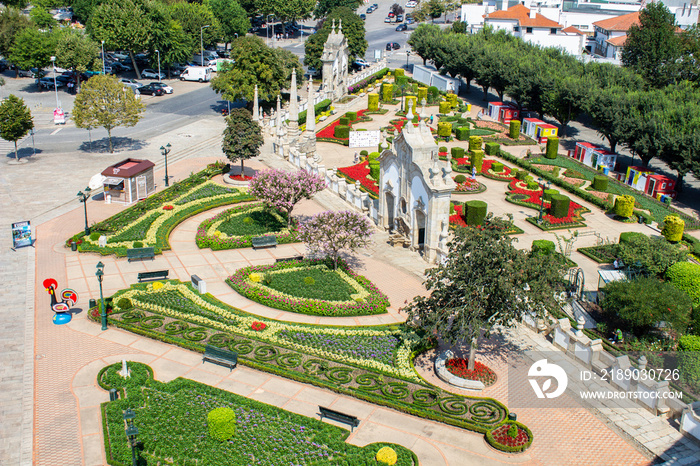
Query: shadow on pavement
[23,152]
[101,146]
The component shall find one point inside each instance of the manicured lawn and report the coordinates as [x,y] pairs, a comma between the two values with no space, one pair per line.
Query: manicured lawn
[312,283]
[253,223]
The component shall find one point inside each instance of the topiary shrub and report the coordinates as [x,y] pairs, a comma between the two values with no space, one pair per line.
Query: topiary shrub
[363,153]
[373,156]
[520,175]
[475,212]
[460,179]
[374,169]
[452,99]
[477,159]
[555,172]
[221,423]
[496,166]
[94,236]
[138,244]
[444,129]
[627,236]
[462,133]
[351,116]
[552,148]
[411,98]
[457,152]
[492,148]
[559,206]
[387,92]
[341,131]
[445,108]
[422,94]
[688,360]
[124,304]
[309,281]
[673,228]
[373,102]
[543,246]
[533,185]
[686,277]
[600,183]
[624,206]
[475,143]
[344,121]
[386,456]
[514,129]
[547,195]
[442,149]
[434,93]
[399,72]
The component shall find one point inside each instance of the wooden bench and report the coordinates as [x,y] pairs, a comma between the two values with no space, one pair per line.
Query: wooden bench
[264,242]
[140,253]
[157,275]
[352,421]
[287,259]
[220,356]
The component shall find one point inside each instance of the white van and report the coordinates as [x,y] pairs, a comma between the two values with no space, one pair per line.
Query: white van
[196,73]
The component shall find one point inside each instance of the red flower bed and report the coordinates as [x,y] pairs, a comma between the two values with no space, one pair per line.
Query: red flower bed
[481,372]
[258,326]
[241,178]
[361,172]
[500,435]
[457,219]
[167,207]
[328,131]
[505,174]
[468,186]
[534,197]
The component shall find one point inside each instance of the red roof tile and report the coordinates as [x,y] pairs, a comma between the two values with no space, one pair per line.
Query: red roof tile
[522,14]
[618,41]
[618,23]
[573,30]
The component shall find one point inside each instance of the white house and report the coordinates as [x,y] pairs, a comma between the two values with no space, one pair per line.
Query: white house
[535,28]
[611,34]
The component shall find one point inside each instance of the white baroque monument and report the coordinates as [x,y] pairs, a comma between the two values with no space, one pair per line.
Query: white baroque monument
[414,192]
[335,64]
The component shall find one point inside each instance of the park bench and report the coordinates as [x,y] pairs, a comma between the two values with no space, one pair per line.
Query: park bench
[220,356]
[140,253]
[287,259]
[264,242]
[352,421]
[157,275]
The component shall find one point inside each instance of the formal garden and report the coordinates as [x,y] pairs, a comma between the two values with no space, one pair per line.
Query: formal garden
[188,423]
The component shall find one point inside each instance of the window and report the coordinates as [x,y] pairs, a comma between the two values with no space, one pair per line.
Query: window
[553,30]
[516,28]
[528,30]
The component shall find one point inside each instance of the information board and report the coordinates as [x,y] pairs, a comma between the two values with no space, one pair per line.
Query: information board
[21,234]
[364,139]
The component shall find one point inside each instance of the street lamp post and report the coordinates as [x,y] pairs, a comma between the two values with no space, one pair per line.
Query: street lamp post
[201,42]
[158,52]
[165,151]
[55,87]
[267,29]
[540,181]
[131,432]
[83,197]
[103,57]
[103,311]
[408,54]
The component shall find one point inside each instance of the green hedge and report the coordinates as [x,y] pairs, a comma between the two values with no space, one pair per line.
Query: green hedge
[543,246]
[364,153]
[387,92]
[559,205]
[222,423]
[689,363]
[445,108]
[457,152]
[462,133]
[686,277]
[496,166]
[460,179]
[477,159]
[514,130]
[552,148]
[341,131]
[475,143]
[624,206]
[548,193]
[422,94]
[444,129]
[434,92]
[399,72]
[475,212]
[322,106]
[374,169]
[627,236]
[492,148]
[600,183]
[673,228]
[344,121]
[373,102]
[373,156]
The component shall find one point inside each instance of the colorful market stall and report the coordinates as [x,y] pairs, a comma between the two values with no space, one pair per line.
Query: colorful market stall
[128,181]
[594,156]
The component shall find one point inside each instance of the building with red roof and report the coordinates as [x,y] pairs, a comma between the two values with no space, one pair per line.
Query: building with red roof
[611,34]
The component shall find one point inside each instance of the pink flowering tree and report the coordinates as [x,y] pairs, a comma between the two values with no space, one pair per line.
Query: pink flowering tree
[328,233]
[283,190]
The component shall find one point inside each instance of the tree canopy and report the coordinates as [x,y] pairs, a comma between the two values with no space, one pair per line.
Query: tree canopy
[232,17]
[76,51]
[33,49]
[323,7]
[11,23]
[329,233]
[242,137]
[105,102]
[283,190]
[15,120]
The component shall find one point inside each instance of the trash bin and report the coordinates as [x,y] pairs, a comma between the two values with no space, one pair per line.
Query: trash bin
[92,303]
[606,170]
[512,417]
[113,394]
[73,246]
[640,219]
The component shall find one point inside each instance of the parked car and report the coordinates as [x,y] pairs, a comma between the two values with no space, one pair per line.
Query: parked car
[370,10]
[411,4]
[32,73]
[391,14]
[132,83]
[392,46]
[399,18]
[165,87]
[409,20]
[150,89]
[63,79]
[48,83]
[4,64]
[401,27]
[387,19]
[150,74]
[126,65]
[361,63]
[363,17]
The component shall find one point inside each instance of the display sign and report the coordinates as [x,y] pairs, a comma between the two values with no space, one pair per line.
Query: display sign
[59,118]
[21,234]
[364,139]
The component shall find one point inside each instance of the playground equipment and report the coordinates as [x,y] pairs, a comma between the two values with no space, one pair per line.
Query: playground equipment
[61,308]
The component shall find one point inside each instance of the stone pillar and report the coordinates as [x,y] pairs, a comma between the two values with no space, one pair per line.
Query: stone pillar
[256,110]
[293,107]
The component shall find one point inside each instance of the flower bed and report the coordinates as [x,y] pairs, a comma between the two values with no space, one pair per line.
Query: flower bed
[230,229]
[360,172]
[511,437]
[481,372]
[519,194]
[469,186]
[173,425]
[358,296]
[488,172]
[327,134]
[369,363]
[457,220]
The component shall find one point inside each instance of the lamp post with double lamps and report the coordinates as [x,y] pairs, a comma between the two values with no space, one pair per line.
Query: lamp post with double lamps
[103,310]
[201,41]
[165,151]
[158,52]
[103,57]
[83,197]
[55,87]
[131,432]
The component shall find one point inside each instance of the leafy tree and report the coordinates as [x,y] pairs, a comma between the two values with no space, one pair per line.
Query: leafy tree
[283,190]
[192,17]
[42,18]
[606,108]
[287,10]
[11,23]
[242,137]
[15,120]
[232,17]
[422,40]
[485,282]
[255,63]
[353,28]
[329,233]
[529,87]
[76,51]
[396,9]
[641,303]
[653,47]
[18,4]
[651,255]
[323,7]
[565,99]
[122,25]
[104,102]
[82,9]
[459,27]
[644,128]
[434,8]
[33,49]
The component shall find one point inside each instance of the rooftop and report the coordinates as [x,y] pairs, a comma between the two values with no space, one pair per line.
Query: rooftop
[522,14]
[619,23]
